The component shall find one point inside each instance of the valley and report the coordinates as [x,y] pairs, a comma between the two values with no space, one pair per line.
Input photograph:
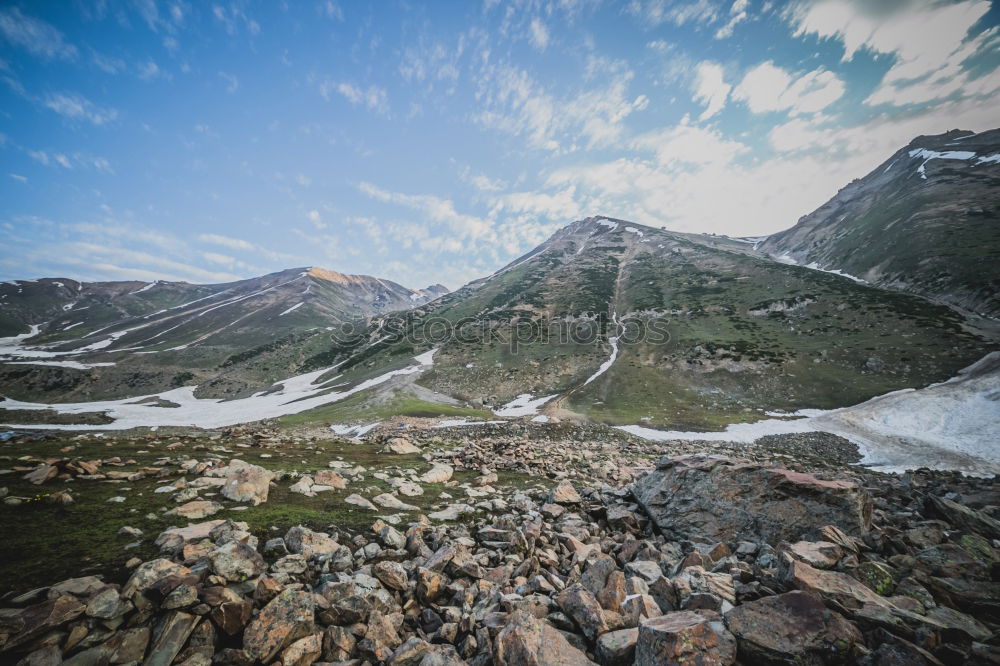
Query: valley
[523,470]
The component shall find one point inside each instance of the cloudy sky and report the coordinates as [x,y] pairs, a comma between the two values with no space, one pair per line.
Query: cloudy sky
[434,142]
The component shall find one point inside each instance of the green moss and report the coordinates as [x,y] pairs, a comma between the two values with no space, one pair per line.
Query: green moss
[877,577]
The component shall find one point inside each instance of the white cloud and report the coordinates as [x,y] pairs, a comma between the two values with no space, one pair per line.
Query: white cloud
[71,161]
[226,241]
[374,97]
[539,35]
[513,102]
[655,12]
[768,87]
[18,177]
[316,219]
[696,182]
[34,35]
[149,71]
[929,42]
[232,83]
[435,208]
[107,64]
[711,88]
[688,144]
[332,10]
[233,17]
[737,14]
[560,206]
[78,107]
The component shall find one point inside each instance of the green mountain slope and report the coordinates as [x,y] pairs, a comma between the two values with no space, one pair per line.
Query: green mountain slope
[927,220]
[742,333]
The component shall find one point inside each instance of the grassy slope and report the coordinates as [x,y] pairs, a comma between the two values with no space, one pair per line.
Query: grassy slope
[721,363]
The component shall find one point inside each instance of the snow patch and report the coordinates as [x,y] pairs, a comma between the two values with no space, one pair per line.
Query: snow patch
[929,155]
[608,223]
[951,425]
[292,309]
[354,431]
[76,365]
[791,261]
[147,287]
[613,341]
[986,159]
[297,394]
[523,405]
[633,230]
[454,423]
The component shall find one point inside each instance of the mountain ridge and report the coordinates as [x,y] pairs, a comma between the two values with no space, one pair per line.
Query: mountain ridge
[926,220]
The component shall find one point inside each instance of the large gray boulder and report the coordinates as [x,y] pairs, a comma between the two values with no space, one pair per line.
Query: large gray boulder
[714,499]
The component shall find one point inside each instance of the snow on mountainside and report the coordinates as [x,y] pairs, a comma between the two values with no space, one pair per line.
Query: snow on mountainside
[927,220]
[115,339]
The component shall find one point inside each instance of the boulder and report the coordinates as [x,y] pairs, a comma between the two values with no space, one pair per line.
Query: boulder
[965,518]
[237,562]
[148,573]
[303,541]
[579,604]
[819,554]
[715,499]
[173,633]
[303,487]
[684,637]
[794,627]
[439,473]
[328,477]
[246,483]
[528,641]
[41,474]
[196,510]
[287,618]
[564,493]
[451,512]
[36,620]
[391,574]
[390,501]
[358,500]
[304,651]
[836,589]
[400,446]
[617,648]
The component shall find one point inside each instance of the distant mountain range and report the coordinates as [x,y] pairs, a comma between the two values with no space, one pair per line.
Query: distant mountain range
[927,220]
[139,337]
[607,320]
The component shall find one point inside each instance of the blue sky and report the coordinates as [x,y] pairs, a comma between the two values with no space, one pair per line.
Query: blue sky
[435,142]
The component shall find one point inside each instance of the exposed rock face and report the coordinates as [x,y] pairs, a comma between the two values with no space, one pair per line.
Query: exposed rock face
[711,499]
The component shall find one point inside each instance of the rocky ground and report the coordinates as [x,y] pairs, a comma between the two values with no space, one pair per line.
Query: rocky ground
[520,544]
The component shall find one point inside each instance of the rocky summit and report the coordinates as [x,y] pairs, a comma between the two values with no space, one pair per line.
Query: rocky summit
[686,559]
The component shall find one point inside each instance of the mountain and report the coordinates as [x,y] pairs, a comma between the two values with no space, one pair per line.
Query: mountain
[927,220]
[114,339]
[738,334]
